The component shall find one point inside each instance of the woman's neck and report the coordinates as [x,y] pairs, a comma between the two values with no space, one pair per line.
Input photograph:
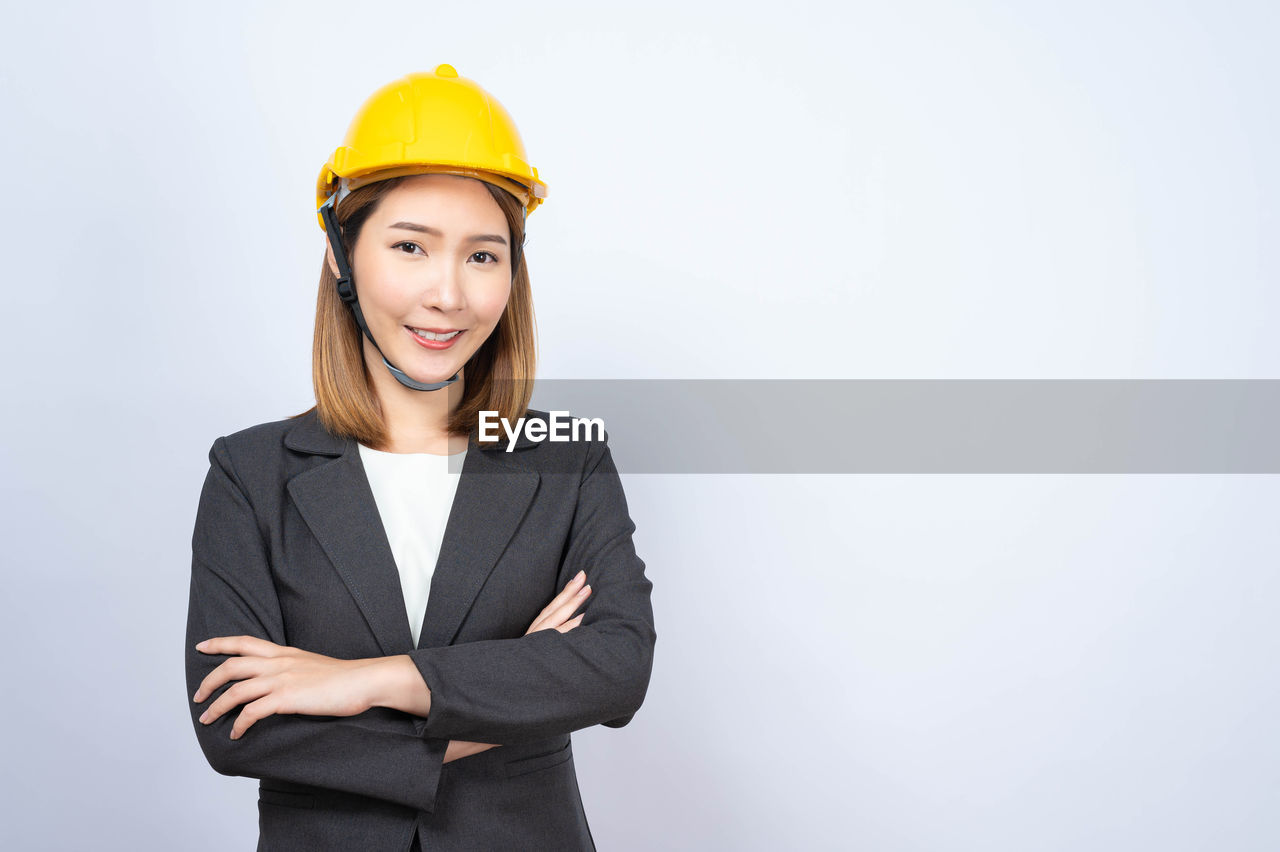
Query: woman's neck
[417,421]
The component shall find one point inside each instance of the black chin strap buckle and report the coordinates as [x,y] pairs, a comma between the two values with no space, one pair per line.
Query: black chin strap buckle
[345,291]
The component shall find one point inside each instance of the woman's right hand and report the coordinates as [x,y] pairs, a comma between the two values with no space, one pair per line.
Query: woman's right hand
[554,615]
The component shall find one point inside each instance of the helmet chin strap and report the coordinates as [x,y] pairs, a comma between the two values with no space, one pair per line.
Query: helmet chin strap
[347,292]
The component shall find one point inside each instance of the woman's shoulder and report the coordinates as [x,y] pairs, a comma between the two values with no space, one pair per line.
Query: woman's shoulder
[263,457]
[261,444]
[270,433]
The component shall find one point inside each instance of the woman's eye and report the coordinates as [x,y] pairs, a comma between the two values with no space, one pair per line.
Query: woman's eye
[492,258]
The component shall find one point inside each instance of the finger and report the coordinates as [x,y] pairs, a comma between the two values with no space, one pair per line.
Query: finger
[234,668]
[556,617]
[567,593]
[566,610]
[234,696]
[240,645]
[545,618]
[571,623]
[260,709]
[239,693]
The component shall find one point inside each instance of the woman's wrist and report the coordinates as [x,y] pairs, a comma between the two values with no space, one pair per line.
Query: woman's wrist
[395,682]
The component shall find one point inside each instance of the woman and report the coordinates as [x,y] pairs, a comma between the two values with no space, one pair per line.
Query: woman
[390,645]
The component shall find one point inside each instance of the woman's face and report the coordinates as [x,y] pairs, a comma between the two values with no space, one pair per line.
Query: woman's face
[434,256]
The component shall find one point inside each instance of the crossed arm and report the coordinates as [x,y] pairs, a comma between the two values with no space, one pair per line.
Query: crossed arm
[357,725]
[275,679]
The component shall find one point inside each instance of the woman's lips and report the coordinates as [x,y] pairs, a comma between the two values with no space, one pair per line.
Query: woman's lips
[433,344]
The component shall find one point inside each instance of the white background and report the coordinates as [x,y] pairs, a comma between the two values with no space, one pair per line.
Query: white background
[904,190]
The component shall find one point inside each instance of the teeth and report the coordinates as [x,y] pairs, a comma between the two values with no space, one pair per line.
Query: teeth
[431,335]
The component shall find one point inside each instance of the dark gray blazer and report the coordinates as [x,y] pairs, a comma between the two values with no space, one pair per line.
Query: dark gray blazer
[289,546]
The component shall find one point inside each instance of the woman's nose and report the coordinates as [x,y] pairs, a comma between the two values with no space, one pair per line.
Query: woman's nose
[443,288]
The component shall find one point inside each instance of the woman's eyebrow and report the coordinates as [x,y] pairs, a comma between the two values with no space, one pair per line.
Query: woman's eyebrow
[477,238]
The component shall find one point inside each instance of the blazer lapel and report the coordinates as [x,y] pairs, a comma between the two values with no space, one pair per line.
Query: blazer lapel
[337,504]
[493,496]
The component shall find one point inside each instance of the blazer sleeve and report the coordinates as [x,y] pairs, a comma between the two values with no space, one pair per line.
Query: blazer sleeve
[549,683]
[379,753]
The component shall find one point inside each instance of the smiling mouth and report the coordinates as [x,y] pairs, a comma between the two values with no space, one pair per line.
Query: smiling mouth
[440,336]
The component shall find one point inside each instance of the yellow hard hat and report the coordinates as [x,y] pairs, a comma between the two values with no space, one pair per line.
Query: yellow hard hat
[431,123]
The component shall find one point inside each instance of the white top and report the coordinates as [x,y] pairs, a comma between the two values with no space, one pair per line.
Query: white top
[414,493]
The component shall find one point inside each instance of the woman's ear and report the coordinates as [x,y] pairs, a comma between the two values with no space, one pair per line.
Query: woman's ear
[328,256]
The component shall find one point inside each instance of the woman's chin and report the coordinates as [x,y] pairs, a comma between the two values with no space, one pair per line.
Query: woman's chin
[429,369]
[425,370]
[431,375]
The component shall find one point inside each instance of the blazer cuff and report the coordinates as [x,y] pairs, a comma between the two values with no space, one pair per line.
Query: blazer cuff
[435,764]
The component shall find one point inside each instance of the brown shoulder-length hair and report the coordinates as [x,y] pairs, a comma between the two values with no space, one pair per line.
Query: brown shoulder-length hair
[499,376]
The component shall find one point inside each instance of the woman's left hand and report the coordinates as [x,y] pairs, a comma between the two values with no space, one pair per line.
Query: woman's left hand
[280,679]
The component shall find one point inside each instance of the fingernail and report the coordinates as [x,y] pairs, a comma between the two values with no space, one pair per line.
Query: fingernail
[583,590]
[204,717]
[200,645]
[580,574]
